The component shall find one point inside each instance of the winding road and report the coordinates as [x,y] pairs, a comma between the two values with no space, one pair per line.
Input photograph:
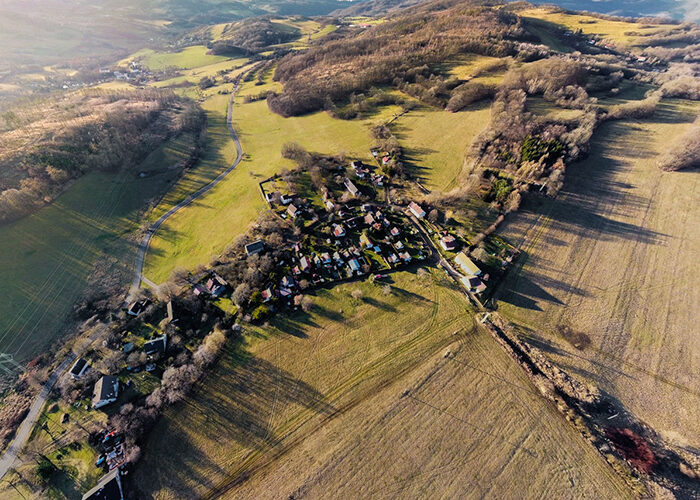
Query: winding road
[8,458]
[146,241]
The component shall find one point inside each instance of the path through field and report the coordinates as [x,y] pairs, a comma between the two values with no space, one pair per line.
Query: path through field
[608,280]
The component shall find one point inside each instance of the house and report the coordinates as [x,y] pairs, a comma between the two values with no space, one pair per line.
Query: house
[354,265]
[405,256]
[105,392]
[351,187]
[467,265]
[337,257]
[395,231]
[356,164]
[386,160]
[338,231]
[255,247]
[448,242]
[216,285]
[416,210]
[266,295]
[304,263]
[109,487]
[330,206]
[288,281]
[366,207]
[369,219]
[78,368]
[286,199]
[292,210]
[365,241]
[156,346]
[473,284]
[399,245]
[325,258]
[137,307]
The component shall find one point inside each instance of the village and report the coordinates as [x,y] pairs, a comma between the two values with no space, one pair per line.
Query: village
[344,229]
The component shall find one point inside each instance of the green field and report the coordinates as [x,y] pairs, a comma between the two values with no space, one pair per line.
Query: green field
[316,403]
[201,231]
[435,142]
[188,58]
[47,257]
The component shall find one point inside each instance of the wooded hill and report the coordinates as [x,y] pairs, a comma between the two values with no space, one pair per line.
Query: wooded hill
[47,143]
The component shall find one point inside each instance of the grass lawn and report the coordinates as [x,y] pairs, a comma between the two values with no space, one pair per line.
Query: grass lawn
[199,232]
[620,238]
[435,142]
[615,31]
[315,403]
[45,258]
[187,58]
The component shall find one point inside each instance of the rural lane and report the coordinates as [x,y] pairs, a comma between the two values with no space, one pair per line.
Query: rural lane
[25,428]
[146,241]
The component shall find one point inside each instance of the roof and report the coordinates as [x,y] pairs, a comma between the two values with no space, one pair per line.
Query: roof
[255,247]
[466,263]
[416,209]
[156,345]
[108,488]
[105,388]
[78,367]
[351,186]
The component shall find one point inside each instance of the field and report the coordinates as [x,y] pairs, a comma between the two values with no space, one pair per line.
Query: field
[614,260]
[314,403]
[619,32]
[435,142]
[199,232]
[188,58]
[49,255]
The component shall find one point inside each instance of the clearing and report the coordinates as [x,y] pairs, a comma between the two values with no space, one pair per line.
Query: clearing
[187,58]
[609,273]
[298,407]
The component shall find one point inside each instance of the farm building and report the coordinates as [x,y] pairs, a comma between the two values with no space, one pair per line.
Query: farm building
[292,210]
[78,368]
[474,284]
[416,210]
[105,392]
[466,264]
[255,247]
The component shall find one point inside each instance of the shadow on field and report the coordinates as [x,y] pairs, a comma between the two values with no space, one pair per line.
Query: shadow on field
[240,407]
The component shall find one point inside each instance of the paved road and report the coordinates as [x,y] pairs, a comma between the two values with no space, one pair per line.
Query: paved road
[146,241]
[25,428]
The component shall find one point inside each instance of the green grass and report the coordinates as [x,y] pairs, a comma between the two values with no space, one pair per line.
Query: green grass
[201,231]
[435,142]
[188,58]
[45,258]
[618,32]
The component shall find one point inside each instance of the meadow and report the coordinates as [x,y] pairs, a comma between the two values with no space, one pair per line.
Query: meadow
[49,255]
[392,394]
[607,282]
[187,58]
[619,32]
[202,230]
[435,142]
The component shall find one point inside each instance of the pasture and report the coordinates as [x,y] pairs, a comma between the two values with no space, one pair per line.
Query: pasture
[619,32]
[202,230]
[607,282]
[187,58]
[46,258]
[435,142]
[358,397]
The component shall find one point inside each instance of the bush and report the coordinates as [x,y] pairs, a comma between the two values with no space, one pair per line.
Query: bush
[261,312]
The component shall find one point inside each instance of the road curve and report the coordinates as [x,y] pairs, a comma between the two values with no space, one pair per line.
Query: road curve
[8,458]
[146,241]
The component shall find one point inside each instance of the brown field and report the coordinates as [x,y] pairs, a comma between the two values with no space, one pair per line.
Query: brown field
[316,404]
[609,282]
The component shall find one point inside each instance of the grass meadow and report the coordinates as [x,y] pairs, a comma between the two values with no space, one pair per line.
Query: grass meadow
[358,397]
[187,58]
[614,258]
[49,255]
